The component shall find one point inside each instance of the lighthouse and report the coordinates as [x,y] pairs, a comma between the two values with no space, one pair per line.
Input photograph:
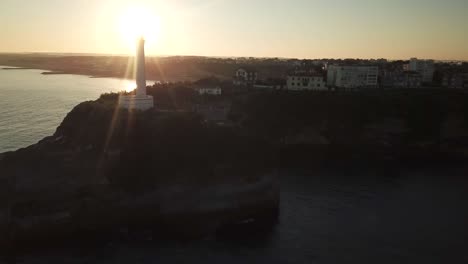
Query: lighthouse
[140,101]
[140,68]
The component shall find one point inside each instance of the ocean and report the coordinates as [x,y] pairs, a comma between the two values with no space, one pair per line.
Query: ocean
[327,215]
[32,105]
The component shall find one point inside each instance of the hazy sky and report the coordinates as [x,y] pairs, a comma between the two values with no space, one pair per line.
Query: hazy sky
[391,29]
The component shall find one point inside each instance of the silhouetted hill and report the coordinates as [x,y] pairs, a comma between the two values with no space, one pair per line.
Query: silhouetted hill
[106,168]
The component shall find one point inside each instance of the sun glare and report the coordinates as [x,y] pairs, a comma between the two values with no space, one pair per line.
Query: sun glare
[136,22]
[129,86]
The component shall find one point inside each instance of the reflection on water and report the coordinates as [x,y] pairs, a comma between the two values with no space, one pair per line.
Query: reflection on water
[32,105]
[327,216]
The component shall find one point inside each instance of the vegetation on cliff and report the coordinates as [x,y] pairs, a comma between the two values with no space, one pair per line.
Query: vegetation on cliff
[106,167]
[409,125]
[347,114]
[420,120]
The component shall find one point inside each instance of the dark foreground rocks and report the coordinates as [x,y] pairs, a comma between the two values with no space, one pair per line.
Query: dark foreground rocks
[109,172]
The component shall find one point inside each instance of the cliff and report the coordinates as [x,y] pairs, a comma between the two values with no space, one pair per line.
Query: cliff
[106,169]
[426,125]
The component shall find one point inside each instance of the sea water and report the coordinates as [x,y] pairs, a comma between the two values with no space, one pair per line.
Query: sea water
[32,105]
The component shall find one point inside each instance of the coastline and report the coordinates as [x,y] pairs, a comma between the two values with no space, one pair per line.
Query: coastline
[17,68]
[165,69]
[53,72]
[74,73]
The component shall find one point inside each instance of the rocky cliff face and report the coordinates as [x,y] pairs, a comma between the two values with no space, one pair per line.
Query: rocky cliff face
[401,124]
[106,169]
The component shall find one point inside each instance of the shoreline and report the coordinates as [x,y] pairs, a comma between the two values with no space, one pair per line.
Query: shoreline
[170,70]
[17,68]
[52,72]
[46,71]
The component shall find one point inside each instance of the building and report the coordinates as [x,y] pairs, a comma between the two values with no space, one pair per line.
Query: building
[352,77]
[455,80]
[245,77]
[271,84]
[216,90]
[424,67]
[306,81]
[140,101]
[401,79]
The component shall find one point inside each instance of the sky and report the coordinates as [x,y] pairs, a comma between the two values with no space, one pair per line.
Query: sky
[392,29]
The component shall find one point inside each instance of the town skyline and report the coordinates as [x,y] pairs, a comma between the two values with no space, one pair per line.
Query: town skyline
[227,57]
[297,29]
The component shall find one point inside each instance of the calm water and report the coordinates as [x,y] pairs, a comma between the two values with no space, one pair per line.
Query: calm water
[32,105]
[327,216]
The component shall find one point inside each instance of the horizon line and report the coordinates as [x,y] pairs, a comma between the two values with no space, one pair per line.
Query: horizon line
[221,57]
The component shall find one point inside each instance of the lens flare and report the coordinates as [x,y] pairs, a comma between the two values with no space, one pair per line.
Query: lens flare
[136,22]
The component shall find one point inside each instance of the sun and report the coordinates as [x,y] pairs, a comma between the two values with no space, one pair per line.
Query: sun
[136,22]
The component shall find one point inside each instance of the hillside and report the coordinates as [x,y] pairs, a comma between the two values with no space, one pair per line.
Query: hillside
[105,169]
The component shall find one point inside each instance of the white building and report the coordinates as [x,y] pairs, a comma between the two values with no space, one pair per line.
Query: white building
[140,101]
[245,76]
[424,67]
[352,77]
[209,90]
[306,82]
[398,79]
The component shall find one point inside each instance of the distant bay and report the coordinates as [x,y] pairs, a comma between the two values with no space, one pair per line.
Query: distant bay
[32,104]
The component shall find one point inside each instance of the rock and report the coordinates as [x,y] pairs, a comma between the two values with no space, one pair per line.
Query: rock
[169,172]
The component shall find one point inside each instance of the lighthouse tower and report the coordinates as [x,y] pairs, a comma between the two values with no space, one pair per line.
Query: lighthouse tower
[140,69]
[140,101]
